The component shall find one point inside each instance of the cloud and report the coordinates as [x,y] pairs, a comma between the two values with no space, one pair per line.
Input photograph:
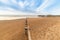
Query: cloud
[4,1]
[55,11]
[45,4]
[29,7]
[9,12]
[25,5]
[13,1]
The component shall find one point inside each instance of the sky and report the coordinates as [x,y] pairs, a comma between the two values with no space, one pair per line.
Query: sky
[29,7]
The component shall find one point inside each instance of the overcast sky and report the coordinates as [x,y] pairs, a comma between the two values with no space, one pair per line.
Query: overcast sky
[29,7]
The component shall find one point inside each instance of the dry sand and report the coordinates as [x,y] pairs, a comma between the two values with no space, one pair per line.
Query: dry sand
[12,29]
[44,28]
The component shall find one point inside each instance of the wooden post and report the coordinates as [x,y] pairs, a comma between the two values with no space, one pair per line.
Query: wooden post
[27,30]
[29,36]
